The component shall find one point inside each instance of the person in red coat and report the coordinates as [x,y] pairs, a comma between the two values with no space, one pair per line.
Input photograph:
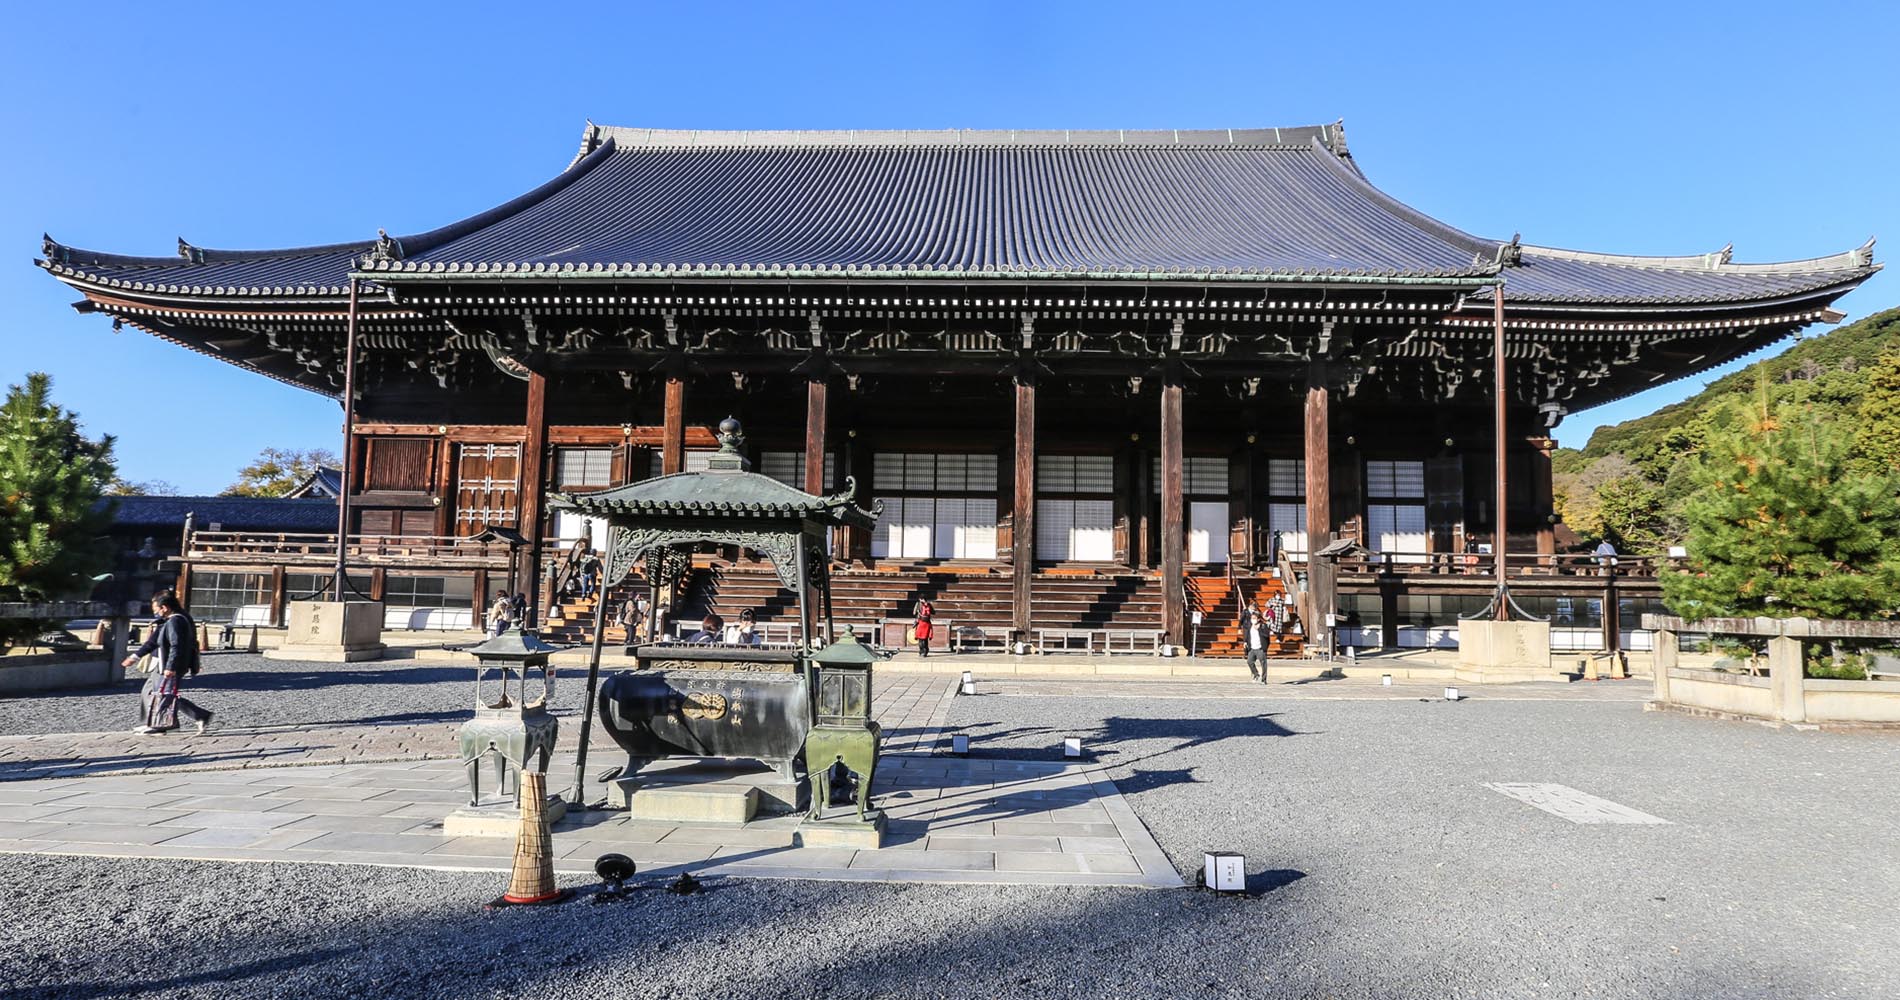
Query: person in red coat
[922,613]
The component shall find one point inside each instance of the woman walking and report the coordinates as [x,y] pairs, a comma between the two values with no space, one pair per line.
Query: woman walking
[175,643]
[922,613]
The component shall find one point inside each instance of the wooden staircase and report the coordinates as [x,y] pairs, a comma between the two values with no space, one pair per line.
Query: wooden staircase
[965,598]
[1213,595]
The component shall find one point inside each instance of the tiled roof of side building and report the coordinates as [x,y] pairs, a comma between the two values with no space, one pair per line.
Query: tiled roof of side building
[159,513]
[1210,205]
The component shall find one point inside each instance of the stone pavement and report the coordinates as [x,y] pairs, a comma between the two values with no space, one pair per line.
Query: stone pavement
[911,709]
[377,794]
[950,820]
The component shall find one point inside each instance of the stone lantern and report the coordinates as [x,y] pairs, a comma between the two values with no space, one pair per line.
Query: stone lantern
[514,685]
[843,731]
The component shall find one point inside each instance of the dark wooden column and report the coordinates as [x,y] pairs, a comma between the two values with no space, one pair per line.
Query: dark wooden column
[1319,506]
[534,448]
[673,430]
[277,597]
[815,400]
[1023,515]
[378,579]
[1173,532]
[1141,550]
[1541,495]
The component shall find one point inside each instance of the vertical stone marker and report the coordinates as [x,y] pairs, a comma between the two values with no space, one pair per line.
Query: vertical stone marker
[333,632]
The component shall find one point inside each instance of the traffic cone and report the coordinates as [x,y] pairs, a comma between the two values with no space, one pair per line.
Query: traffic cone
[252,646]
[532,882]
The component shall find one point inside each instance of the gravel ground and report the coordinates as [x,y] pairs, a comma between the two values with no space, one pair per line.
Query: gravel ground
[248,690]
[1379,867]
[1368,826]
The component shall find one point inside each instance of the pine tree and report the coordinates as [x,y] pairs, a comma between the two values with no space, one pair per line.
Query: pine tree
[1782,524]
[52,526]
[1878,437]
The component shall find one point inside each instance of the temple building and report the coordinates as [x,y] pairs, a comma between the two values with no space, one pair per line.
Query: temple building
[1102,382]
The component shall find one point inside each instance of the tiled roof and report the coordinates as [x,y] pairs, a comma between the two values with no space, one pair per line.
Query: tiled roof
[1158,205]
[232,513]
[1548,275]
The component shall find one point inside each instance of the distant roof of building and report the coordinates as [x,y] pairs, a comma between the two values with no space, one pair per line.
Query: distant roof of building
[325,482]
[301,516]
[1238,205]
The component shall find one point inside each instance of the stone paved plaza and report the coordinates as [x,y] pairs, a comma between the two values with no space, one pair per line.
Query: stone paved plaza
[1534,841]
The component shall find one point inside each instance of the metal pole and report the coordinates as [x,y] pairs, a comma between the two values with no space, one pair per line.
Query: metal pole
[804,610]
[1498,390]
[578,797]
[340,580]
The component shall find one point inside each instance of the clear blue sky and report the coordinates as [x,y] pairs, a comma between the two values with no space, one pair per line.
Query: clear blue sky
[1649,128]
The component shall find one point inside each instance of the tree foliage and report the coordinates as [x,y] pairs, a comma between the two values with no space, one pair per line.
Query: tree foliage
[52,526]
[277,471]
[140,488]
[1782,523]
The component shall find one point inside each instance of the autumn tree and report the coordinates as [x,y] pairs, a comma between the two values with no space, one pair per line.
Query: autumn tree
[277,471]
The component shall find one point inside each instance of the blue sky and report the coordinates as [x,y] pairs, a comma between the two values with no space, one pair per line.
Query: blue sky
[1651,128]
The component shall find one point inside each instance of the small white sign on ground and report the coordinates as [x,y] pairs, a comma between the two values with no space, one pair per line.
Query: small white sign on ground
[1568,803]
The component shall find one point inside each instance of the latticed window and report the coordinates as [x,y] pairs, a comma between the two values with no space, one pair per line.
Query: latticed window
[693,461]
[1201,475]
[936,506]
[583,468]
[788,467]
[1396,526]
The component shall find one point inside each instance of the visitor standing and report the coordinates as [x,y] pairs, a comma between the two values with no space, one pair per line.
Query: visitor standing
[1254,628]
[499,614]
[922,613]
[1276,615]
[633,612]
[175,643]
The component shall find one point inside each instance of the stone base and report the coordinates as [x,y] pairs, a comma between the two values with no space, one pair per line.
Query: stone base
[495,817]
[325,654]
[57,671]
[332,632]
[844,830]
[703,791]
[1493,652]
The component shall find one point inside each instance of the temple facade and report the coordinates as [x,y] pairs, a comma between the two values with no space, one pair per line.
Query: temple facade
[1104,384]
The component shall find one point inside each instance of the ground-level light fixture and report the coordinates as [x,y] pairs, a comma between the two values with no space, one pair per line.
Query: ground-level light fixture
[1072,748]
[969,683]
[960,745]
[1451,694]
[1224,871]
[1385,679]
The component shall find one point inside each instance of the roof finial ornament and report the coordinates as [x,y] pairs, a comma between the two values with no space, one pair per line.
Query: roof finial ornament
[1864,254]
[387,249]
[189,252]
[1511,254]
[52,251]
[731,436]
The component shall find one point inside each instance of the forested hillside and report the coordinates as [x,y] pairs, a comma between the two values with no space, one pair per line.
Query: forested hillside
[1629,482]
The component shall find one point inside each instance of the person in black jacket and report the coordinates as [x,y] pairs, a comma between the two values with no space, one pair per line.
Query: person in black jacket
[175,643]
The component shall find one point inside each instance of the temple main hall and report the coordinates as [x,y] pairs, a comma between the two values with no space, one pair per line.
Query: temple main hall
[1103,384]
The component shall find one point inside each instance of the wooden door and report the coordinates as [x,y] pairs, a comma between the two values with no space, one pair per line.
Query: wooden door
[487,486]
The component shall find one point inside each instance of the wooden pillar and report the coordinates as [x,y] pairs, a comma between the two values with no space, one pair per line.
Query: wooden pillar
[277,597]
[1319,507]
[533,487]
[1141,549]
[1542,494]
[1173,532]
[673,430]
[182,587]
[1023,516]
[1240,511]
[478,598]
[815,403]
[378,577]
